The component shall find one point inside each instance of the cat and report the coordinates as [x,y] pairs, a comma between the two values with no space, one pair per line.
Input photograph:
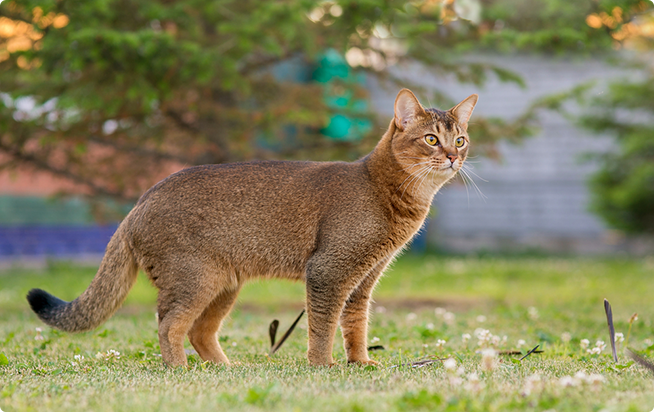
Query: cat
[201,233]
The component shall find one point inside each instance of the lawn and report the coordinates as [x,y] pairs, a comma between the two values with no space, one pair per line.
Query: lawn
[425,306]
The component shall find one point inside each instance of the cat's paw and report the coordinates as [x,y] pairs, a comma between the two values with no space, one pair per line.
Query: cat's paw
[364,362]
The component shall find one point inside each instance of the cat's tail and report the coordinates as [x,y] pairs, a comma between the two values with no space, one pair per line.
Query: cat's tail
[108,290]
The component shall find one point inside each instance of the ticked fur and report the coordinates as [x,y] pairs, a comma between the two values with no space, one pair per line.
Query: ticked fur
[201,233]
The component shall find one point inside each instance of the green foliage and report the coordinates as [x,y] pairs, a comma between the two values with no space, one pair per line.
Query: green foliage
[623,188]
[126,91]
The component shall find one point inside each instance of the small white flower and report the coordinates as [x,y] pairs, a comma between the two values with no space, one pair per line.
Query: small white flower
[109,355]
[440,343]
[488,360]
[581,376]
[474,384]
[495,340]
[38,334]
[566,337]
[521,343]
[648,342]
[601,345]
[411,316]
[380,309]
[465,337]
[375,340]
[79,357]
[449,364]
[584,343]
[449,317]
[429,326]
[455,381]
[234,343]
[425,346]
[619,338]
[533,313]
[567,381]
[481,318]
[594,351]
[440,311]
[533,383]
[595,379]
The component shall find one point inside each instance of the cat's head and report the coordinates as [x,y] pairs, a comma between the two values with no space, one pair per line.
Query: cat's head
[431,141]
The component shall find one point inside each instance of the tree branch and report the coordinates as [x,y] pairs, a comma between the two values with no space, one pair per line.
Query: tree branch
[67,174]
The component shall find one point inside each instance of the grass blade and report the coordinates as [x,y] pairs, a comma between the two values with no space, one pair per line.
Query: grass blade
[640,360]
[272,331]
[286,335]
[609,320]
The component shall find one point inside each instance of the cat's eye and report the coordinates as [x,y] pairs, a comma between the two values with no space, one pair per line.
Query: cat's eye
[431,140]
[460,141]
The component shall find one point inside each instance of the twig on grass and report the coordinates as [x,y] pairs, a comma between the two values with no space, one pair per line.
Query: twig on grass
[272,330]
[519,352]
[419,364]
[609,320]
[640,360]
[530,352]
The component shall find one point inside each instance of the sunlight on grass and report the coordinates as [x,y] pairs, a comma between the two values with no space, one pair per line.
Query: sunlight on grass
[466,310]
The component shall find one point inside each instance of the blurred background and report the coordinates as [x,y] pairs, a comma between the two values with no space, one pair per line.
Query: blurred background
[99,100]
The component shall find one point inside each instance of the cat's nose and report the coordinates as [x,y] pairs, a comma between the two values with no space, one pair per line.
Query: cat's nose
[452,157]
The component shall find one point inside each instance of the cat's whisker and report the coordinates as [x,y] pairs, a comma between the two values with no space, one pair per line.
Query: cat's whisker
[465,184]
[408,177]
[425,177]
[420,179]
[416,176]
[470,170]
[474,184]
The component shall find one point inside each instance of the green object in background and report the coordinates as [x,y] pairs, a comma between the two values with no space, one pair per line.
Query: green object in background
[339,80]
[34,210]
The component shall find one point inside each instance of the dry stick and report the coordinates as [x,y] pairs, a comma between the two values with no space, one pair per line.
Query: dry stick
[640,360]
[420,363]
[286,335]
[272,331]
[530,352]
[609,320]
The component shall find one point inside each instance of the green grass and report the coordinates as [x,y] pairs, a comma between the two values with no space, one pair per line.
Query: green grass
[566,293]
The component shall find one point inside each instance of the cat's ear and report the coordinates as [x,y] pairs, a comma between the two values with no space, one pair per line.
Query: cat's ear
[407,108]
[463,110]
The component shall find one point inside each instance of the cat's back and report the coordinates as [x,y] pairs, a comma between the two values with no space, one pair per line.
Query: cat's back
[259,181]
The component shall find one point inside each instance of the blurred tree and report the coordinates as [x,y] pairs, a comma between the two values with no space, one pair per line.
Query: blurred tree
[623,187]
[110,93]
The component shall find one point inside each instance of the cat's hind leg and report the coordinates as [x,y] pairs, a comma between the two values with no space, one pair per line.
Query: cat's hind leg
[183,296]
[204,332]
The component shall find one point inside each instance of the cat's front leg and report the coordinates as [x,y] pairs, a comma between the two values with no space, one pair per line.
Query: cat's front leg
[329,283]
[354,319]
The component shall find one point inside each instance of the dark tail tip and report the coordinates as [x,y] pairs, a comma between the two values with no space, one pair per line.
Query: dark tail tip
[43,303]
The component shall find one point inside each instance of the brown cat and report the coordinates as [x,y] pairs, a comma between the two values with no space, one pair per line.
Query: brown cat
[201,233]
